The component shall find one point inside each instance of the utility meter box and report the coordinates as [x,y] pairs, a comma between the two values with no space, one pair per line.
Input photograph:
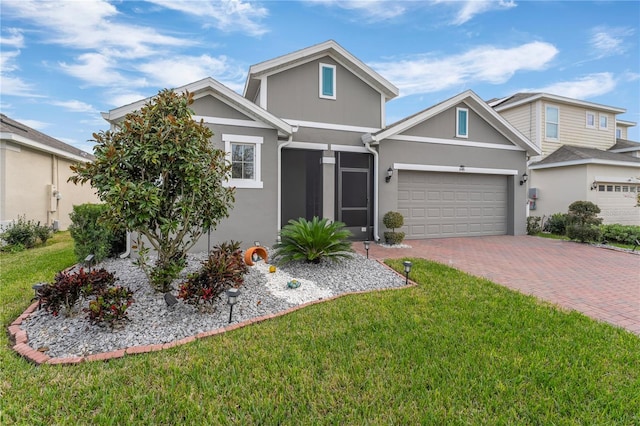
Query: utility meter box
[52,190]
[534,193]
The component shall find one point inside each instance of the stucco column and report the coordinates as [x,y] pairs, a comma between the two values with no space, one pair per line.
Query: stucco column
[328,185]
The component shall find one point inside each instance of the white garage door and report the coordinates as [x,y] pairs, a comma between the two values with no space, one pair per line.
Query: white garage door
[437,205]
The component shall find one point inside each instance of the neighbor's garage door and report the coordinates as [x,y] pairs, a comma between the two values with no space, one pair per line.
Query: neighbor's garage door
[436,205]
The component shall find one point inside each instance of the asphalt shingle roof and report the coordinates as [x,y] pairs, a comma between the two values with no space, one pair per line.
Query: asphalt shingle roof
[623,144]
[8,125]
[572,153]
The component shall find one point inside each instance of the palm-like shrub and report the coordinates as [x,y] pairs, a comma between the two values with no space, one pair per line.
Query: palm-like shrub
[312,241]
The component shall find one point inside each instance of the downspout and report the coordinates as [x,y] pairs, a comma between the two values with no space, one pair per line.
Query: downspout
[280,147]
[367,139]
[128,247]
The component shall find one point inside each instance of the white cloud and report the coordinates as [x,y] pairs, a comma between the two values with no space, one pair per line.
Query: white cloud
[426,74]
[90,25]
[371,10]
[468,9]
[586,87]
[225,15]
[609,41]
[97,69]
[180,70]
[74,106]
[121,98]
[14,39]
[15,86]
[34,124]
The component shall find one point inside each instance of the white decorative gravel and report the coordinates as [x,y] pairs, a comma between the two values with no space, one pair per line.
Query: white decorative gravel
[152,322]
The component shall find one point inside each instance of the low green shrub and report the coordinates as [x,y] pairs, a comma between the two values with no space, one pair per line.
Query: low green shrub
[391,237]
[582,222]
[584,233]
[24,234]
[223,269]
[312,241]
[557,224]
[533,225]
[110,306]
[393,220]
[623,234]
[93,234]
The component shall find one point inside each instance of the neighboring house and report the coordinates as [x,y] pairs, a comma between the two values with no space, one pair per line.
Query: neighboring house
[585,155]
[309,138]
[34,169]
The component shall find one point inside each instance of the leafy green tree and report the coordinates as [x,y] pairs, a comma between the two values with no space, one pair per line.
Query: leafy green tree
[161,177]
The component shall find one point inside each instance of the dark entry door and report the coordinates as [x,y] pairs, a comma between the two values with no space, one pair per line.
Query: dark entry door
[354,192]
[301,184]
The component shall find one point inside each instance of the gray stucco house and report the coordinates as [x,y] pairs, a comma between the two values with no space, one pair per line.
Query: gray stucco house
[308,138]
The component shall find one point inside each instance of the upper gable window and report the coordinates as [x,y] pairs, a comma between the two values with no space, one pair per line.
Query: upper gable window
[604,122]
[462,122]
[244,153]
[552,122]
[591,120]
[327,81]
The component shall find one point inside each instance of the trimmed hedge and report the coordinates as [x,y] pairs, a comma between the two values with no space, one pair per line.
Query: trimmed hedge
[92,234]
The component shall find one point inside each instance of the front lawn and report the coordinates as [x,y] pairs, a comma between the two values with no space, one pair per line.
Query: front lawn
[453,350]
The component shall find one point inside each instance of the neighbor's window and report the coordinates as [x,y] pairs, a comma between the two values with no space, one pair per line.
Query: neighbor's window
[327,81]
[604,122]
[462,122]
[618,133]
[591,120]
[552,117]
[243,152]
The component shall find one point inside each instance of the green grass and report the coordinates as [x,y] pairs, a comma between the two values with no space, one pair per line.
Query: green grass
[453,350]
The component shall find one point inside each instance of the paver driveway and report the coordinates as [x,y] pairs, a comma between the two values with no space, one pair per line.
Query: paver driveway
[603,284]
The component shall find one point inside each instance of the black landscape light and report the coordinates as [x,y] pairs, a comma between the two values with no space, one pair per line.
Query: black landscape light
[366,247]
[88,261]
[407,269]
[232,299]
[170,299]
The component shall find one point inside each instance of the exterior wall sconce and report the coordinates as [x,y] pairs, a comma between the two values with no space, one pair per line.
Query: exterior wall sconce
[407,269]
[232,299]
[594,185]
[366,247]
[525,177]
[389,174]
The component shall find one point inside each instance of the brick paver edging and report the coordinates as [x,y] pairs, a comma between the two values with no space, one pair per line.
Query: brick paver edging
[19,339]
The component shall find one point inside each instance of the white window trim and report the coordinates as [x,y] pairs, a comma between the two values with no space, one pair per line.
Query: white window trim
[333,67]
[586,120]
[546,121]
[458,134]
[600,117]
[257,168]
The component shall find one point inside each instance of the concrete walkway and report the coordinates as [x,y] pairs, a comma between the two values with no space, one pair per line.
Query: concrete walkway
[601,283]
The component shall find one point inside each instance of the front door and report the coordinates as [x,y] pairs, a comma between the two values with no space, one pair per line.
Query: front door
[354,193]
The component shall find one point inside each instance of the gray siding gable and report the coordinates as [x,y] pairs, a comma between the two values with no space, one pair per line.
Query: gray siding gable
[294,94]
[212,107]
[443,126]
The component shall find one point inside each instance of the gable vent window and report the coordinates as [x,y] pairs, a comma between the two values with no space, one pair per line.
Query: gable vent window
[244,154]
[327,81]
[462,122]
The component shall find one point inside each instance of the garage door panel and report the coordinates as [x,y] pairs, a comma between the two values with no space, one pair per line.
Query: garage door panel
[452,204]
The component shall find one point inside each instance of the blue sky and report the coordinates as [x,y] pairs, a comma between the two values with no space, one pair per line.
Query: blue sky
[63,62]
